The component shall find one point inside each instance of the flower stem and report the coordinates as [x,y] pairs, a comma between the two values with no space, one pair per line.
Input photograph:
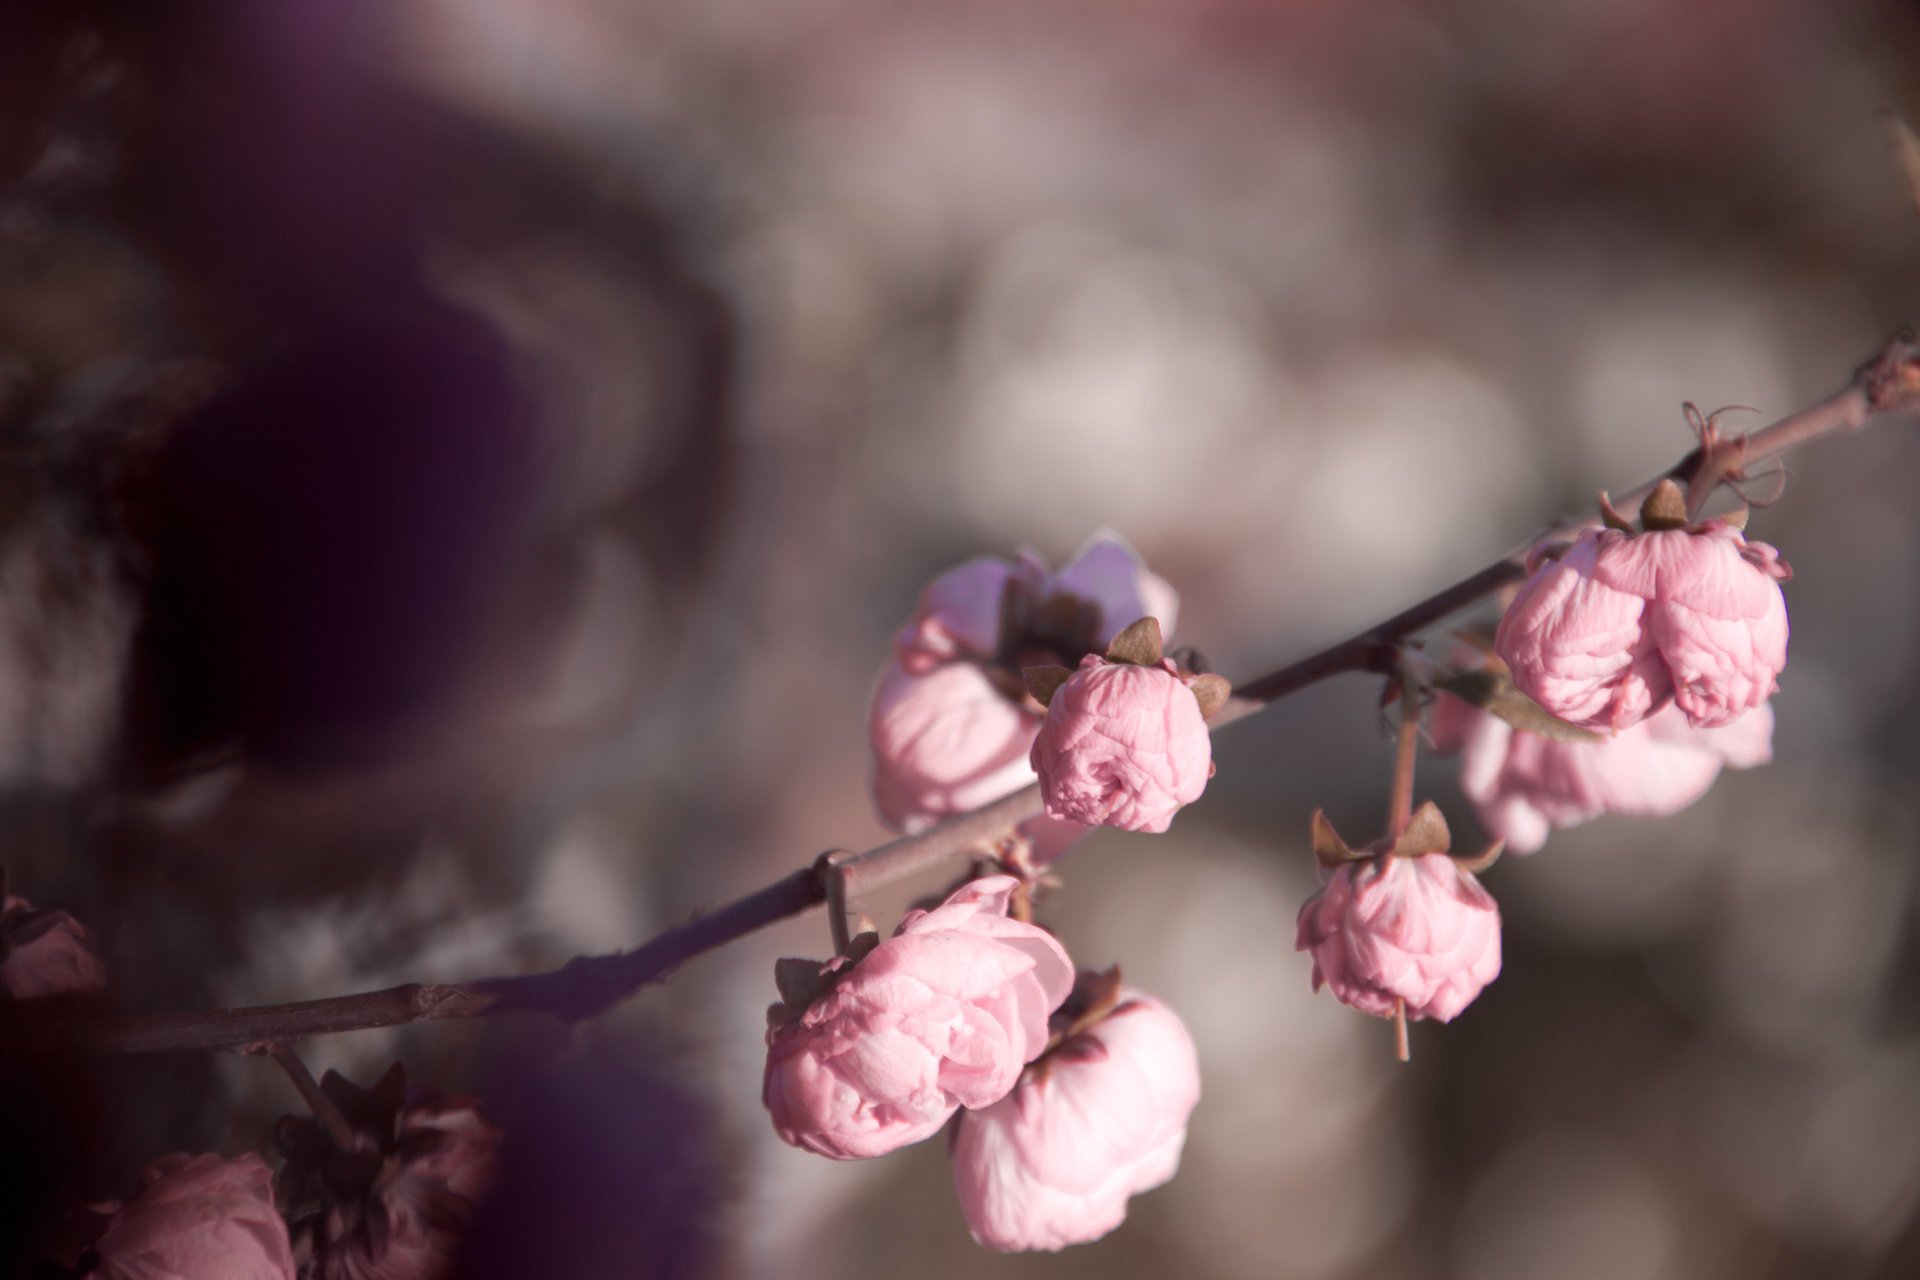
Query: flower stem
[1401,1048]
[1400,800]
[315,1097]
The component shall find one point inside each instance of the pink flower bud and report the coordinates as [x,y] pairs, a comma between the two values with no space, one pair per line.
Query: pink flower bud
[1523,785]
[45,952]
[197,1218]
[1122,745]
[941,1015]
[1097,1121]
[945,742]
[1414,929]
[1609,632]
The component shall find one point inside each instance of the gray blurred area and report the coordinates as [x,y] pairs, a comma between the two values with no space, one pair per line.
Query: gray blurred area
[462,463]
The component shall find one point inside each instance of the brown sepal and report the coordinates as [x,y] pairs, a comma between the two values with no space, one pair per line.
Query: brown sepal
[1045,681]
[1426,832]
[1738,517]
[799,981]
[1610,515]
[1139,644]
[1664,508]
[1328,847]
[1482,860]
[1212,692]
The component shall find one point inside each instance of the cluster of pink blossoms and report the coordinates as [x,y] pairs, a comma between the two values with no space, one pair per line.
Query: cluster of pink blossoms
[1066,1106]
[952,723]
[1668,641]
[1067,1098]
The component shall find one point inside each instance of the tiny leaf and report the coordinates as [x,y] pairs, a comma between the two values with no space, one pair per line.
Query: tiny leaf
[1737,518]
[1611,517]
[1139,644]
[1665,508]
[1522,712]
[1212,692]
[1044,681]
[799,981]
[1494,693]
[862,945]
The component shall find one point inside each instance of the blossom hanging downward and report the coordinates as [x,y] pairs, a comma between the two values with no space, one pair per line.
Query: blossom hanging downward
[1407,927]
[1125,741]
[1621,623]
[1522,784]
[1099,1119]
[196,1218]
[950,722]
[877,1049]
[395,1205]
[45,951]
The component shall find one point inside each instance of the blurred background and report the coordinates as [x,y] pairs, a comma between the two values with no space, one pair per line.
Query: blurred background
[462,463]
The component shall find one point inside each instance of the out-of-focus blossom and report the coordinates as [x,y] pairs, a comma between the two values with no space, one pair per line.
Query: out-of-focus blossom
[944,742]
[1414,929]
[396,1205]
[1609,632]
[197,1218]
[950,723]
[1522,784]
[1124,745]
[964,612]
[942,1015]
[1098,1120]
[46,952]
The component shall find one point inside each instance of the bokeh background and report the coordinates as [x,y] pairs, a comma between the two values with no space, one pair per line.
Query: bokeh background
[463,462]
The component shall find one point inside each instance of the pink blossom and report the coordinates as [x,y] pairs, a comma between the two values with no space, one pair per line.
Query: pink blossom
[1097,1121]
[197,1218]
[939,1016]
[1415,929]
[950,724]
[1523,785]
[442,1163]
[1610,631]
[960,614]
[1123,745]
[46,952]
[945,742]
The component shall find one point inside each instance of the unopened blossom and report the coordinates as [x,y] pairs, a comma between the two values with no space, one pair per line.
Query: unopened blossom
[950,724]
[1123,744]
[45,952]
[1622,623]
[1522,785]
[1099,1120]
[197,1218]
[394,1205]
[944,1014]
[1415,929]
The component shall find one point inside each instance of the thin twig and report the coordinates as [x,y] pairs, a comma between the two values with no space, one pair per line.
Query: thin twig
[316,1098]
[1887,386]
[1400,799]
